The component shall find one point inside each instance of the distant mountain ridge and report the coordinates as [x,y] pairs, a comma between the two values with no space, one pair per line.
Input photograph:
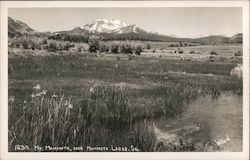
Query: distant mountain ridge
[118,30]
[18,27]
[237,38]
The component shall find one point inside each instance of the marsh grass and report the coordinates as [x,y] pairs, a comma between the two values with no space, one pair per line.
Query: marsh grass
[64,121]
[75,112]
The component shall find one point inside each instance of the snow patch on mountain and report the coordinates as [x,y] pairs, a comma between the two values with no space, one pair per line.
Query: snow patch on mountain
[112,26]
[104,25]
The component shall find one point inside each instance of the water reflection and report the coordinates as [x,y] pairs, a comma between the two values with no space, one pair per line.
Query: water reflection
[209,119]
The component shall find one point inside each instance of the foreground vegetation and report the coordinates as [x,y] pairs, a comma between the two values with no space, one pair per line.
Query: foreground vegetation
[103,100]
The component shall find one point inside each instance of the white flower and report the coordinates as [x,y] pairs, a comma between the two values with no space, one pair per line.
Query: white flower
[74,133]
[12,98]
[37,87]
[70,105]
[91,90]
[220,142]
[33,95]
[54,96]
[24,101]
[66,103]
[44,92]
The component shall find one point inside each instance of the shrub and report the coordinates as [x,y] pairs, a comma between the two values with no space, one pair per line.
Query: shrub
[138,50]
[192,52]
[79,47]
[213,53]
[103,47]
[27,42]
[237,72]
[94,43]
[52,46]
[44,47]
[67,46]
[114,48]
[59,47]
[148,47]
[238,53]
[126,48]
[44,41]
[22,42]
[180,51]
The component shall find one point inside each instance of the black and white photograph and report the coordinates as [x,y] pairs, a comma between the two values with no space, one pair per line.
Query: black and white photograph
[126,79]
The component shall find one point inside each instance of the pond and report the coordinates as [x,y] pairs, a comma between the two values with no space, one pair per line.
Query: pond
[207,120]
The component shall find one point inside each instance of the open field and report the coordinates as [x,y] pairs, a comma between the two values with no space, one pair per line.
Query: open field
[113,96]
[199,52]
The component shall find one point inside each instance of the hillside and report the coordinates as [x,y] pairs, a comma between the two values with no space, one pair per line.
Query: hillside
[16,27]
[236,38]
[212,39]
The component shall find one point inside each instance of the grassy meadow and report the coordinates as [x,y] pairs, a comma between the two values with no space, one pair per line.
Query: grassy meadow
[92,99]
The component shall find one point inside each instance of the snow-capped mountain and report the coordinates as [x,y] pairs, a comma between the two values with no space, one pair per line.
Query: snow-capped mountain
[104,25]
[129,29]
[111,26]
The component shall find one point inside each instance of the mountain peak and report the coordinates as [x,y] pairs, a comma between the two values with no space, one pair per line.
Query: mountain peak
[112,26]
[104,25]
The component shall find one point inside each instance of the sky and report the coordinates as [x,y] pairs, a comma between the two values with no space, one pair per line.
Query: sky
[182,22]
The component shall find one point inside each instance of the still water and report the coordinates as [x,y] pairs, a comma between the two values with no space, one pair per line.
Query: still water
[207,119]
